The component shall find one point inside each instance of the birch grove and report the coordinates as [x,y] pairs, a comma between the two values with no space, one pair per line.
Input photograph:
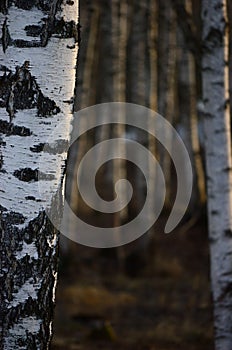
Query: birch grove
[173,56]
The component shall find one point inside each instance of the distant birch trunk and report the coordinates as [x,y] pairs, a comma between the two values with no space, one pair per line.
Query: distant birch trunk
[218,162]
[139,77]
[166,79]
[152,33]
[198,162]
[119,40]
[189,121]
[37,66]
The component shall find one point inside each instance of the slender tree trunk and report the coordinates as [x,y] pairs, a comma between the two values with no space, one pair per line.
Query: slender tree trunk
[152,36]
[166,79]
[37,65]
[119,37]
[198,162]
[218,163]
[188,119]
[193,11]
[139,79]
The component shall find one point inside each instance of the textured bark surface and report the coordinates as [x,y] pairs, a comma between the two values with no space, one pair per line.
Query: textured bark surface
[218,162]
[37,76]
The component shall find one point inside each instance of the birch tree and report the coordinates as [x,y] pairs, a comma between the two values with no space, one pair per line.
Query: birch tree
[37,75]
[218,164]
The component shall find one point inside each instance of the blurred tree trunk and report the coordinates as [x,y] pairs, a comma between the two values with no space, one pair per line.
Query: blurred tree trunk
[37,65]
[152,38]
[218,163]
[119,40]
[137,84]
[188,118]
[86,96]
[166,79]
[195,142]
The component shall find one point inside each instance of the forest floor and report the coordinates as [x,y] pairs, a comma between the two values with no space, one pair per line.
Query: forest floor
[160,302]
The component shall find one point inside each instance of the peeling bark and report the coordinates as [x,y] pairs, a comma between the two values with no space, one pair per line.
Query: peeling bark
[37,76]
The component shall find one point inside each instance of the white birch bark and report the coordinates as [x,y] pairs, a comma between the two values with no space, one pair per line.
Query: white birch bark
[218,162]
[37,64]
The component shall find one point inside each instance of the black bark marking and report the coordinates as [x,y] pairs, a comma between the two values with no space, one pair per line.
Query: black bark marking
[33,30]
[4,6]
[220,131]
[32,198]
[214,212]
[60,28]
[228,233]
[2,209]
[32,175]
[1,161]
[218,6]
[10,129]
[43,5]
[6,39]
[48,27]
[27,174]
[20,90]
[25,4]
[213,39]
[13,277]
[66,29]
[24,43]
[226,292]
[37,148]
[16,218]
[58,147]
[51,26]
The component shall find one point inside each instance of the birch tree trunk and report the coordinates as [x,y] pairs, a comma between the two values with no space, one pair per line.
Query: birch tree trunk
[37,76]
[119,43]
[218,163]
[189,121]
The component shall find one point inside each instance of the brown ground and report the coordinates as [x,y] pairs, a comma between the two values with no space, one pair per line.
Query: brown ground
[163,303]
